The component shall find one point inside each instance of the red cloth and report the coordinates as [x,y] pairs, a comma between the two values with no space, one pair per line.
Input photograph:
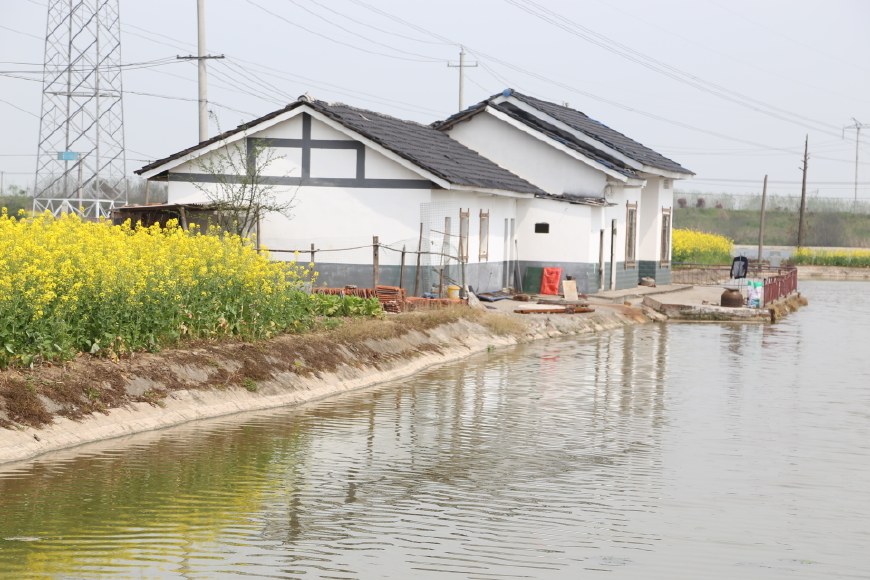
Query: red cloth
[550,280]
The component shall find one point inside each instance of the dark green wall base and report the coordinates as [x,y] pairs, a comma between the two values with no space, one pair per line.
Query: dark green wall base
[651,269]
[486,277]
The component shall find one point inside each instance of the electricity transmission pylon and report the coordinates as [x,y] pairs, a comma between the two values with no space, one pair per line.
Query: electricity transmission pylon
[81,161]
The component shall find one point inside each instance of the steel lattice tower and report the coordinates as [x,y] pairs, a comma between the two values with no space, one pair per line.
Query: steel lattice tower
[81,159]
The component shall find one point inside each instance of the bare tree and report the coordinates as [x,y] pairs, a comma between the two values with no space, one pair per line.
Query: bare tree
[238,189]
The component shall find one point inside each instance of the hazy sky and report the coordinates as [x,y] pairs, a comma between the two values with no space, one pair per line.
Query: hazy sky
[728,88]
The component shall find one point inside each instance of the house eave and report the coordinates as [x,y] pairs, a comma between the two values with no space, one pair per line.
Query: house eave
[496,192]
[289,114]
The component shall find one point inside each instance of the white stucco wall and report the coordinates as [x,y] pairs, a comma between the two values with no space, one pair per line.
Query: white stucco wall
[445,202]
[568,239]
[551,170]
[333,218]
[654,198]
[380,167]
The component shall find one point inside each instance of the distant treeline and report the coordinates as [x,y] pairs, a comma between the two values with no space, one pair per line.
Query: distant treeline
[829,222]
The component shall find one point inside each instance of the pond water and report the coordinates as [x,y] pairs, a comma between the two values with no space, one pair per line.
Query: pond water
[660,451]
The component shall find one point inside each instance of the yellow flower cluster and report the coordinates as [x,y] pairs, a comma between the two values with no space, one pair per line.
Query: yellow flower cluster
[67,286]
[693,247]
[856,258]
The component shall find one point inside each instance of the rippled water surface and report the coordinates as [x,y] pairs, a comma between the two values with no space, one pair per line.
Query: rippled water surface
[662,451]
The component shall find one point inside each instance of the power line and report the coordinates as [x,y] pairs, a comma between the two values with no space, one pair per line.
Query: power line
[335,40]
[729,56]
[139,93]
[389,32]
[778,32]
[344,29]
[21,32]
[296,78]
[107,67]
[562,22]
[14,106]
[484,56]
[780,181]
[188,99]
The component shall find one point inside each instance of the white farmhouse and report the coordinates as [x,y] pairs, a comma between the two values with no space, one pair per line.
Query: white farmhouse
[510,184]
[620,228]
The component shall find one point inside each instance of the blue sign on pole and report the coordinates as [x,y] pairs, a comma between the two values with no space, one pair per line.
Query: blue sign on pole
[67,156]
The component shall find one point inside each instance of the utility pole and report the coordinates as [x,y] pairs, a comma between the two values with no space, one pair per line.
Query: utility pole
[461,66]
[801,222]
[761,225]
[201,57]
[857,126]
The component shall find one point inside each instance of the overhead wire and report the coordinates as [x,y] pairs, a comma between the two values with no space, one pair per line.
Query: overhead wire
[484,56]
[441,40]
[743,62]
[16,31]
[297,78]
[381,30]
[778,32]
[335,40]
[360,36]
[14,106]
[609,44]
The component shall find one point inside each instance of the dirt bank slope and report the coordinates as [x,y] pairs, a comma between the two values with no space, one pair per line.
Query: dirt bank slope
[89,399]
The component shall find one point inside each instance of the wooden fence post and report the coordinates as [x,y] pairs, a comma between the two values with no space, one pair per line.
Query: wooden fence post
[312,252]
[417,271]
[402,269]
[375,261]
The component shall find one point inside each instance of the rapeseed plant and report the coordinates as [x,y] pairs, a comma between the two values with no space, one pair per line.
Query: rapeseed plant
[848,258]
[70,286]
[693,247]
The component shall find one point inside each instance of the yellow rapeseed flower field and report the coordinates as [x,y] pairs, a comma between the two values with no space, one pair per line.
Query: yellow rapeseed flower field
[693,247]
[843,257]
[68,286]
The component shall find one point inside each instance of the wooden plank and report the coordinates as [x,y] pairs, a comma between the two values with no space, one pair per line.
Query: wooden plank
[565,310]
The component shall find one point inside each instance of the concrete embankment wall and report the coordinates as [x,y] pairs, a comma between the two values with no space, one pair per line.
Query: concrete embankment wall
[832,273]
[210,381]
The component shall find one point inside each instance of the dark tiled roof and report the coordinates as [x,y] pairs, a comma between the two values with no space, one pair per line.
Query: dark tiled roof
[566,139]
[579,122]
[422,145]
[604,134]
[427,148]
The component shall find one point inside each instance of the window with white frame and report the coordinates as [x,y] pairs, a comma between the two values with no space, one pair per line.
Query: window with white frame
[666,237]
[483,254]
[631,235]
[463,235]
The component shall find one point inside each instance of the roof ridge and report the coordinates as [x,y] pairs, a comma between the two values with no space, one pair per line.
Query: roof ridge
[375,113]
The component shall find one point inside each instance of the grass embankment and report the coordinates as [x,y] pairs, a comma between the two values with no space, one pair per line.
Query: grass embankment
[828,229]
[696,247]
[68,286]
[34,396]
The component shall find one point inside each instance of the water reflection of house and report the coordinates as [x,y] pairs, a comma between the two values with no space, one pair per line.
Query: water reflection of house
[509,184]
